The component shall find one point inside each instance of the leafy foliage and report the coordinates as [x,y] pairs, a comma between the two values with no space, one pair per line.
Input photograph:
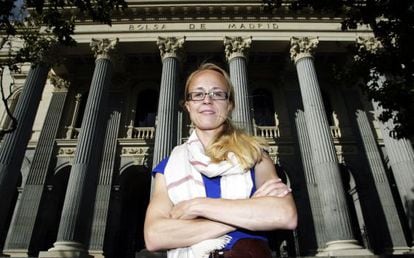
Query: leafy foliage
[388,71]
[30,31]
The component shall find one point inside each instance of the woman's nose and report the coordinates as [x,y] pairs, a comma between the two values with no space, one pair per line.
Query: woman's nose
[207,99]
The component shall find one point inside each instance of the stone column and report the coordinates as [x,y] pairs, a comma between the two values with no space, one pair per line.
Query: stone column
[171,50]
[311,183]
[401,160]
[103,192]
[76,213]
[21,230]
[400,151]
[236,49]
[393,224]
[14,144]
[339,235]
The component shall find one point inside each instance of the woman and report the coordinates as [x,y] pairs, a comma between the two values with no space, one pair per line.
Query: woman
[217,191]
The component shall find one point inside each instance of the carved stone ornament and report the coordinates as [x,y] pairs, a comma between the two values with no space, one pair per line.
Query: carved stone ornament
[59,83]
[236,47]
[171,47]
[302,47]
[66,151]
[134,151]
[370,44]
[103,47]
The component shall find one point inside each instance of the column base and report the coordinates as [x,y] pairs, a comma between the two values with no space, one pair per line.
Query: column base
[65,249]
[96,253]
[15,253]
[343,247]
[399,250]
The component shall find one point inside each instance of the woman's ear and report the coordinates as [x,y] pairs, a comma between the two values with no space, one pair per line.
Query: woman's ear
[186,106]
[230,107]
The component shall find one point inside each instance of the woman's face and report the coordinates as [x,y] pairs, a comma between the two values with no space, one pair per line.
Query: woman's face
[208,114]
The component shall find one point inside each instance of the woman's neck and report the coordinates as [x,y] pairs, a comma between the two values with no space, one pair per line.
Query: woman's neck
[207,136]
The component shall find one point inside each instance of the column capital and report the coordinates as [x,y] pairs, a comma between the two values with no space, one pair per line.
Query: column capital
[302,47]
[368,44]
[59,84]
[236,47]
[103,48]
[171,47]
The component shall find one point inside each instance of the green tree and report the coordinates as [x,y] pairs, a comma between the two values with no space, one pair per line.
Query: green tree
[30,29]
[388,71]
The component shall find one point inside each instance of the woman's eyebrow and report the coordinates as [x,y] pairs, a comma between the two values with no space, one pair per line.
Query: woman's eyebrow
[212,88]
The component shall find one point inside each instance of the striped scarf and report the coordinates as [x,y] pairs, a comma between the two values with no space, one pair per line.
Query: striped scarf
[184,181]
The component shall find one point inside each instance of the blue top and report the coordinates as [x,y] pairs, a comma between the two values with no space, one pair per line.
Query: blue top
[213,190]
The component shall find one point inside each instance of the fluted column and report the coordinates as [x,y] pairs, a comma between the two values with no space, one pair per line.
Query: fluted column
[14,144]
[81,189]
[171,50]
[311,183]
[393,224]
[339,235]
[236,49]
[401,160]
[103,191]
[400,151]
[21,230]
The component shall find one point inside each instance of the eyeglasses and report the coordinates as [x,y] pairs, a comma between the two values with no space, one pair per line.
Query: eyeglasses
[214,95]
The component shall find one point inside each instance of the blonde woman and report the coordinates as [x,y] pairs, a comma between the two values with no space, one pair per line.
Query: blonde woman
[215,193]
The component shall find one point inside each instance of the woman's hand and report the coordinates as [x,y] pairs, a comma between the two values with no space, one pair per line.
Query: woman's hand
[273,187]
[184,210]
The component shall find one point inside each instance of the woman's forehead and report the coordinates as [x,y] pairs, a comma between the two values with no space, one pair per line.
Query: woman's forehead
[208,78]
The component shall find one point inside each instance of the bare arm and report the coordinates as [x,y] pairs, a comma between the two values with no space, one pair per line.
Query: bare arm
[163,232]
[268,209]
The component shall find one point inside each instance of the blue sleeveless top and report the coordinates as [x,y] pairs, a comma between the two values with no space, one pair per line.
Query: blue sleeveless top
[212,186]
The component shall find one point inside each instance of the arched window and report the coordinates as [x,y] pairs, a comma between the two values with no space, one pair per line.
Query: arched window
[147,104]
[263,107]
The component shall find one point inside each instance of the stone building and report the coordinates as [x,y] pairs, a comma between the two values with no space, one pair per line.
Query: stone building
[75,176]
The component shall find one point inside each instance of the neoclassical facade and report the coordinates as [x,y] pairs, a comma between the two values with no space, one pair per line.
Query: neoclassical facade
[75,176]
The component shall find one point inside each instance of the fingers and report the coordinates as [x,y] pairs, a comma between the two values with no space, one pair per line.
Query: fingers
[182,210]
[273,187]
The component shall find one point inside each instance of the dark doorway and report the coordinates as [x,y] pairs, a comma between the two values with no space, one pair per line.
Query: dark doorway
[127,216]
[47,224]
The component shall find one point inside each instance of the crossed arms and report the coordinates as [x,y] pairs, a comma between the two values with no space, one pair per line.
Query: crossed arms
[192,221]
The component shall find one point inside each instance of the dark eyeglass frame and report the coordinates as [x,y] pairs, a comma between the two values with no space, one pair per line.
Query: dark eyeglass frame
[214,95]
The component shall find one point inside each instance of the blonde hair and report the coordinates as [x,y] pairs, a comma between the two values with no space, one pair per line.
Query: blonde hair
[248,149]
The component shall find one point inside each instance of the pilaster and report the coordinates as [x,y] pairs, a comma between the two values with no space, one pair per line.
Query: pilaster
[103,192]
[14,144]
[21,230]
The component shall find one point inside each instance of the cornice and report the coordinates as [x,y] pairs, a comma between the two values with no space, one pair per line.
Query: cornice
[210,10]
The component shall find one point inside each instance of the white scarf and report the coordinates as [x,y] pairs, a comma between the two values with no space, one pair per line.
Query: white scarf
[184,181]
